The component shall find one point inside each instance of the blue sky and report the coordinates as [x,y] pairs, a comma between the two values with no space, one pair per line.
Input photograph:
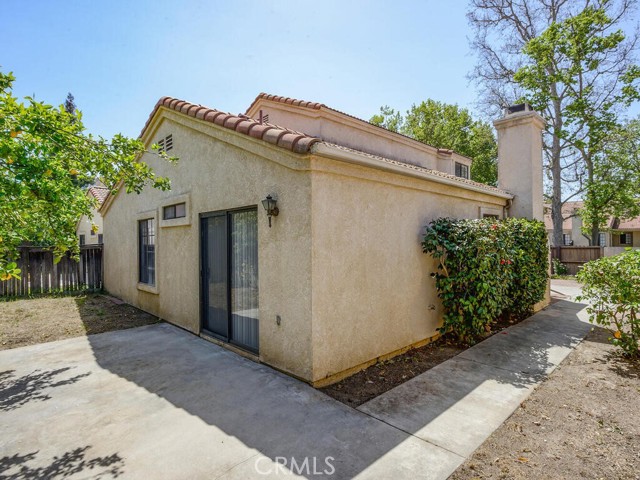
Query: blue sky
[119,57]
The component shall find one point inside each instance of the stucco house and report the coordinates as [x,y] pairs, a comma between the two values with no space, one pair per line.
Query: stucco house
[329,278]
[90,230]
[618,235]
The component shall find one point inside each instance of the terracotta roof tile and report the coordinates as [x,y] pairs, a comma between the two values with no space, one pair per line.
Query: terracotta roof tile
[317,106]
[286,138]
[628,224]
[99,193]
[283,137]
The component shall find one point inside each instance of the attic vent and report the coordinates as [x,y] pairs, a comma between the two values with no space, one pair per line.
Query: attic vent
[165,143]
[264,118]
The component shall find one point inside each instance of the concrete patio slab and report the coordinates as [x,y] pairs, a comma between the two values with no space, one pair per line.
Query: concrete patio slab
[459,403]
[157,402]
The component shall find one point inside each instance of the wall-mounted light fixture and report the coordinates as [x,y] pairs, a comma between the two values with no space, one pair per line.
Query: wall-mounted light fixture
[270,205]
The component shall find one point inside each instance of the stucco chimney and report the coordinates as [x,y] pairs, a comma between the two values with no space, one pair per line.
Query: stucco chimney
[520,159]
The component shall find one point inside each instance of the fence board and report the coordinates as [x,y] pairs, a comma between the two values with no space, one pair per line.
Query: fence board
[575,257]
[41,275]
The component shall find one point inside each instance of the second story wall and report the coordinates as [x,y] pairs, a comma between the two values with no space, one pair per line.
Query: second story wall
[342,129]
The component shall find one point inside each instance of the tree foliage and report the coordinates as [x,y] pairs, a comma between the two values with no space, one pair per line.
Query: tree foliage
[70,104]
[447,126]
[44,156]
[573,63]
[615,189]
[572,55]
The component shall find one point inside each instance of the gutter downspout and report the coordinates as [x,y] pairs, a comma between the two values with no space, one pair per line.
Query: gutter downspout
[506,208]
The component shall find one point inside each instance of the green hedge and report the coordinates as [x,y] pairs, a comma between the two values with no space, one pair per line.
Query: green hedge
[486,268]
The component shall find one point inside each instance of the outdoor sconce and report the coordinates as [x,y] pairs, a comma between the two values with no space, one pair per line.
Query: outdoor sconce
[269,205]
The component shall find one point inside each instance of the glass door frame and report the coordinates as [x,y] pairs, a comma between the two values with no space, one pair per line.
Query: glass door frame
[203,263]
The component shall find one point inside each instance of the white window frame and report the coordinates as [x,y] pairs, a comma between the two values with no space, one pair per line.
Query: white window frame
[602,239]
[179,221]
[628,238]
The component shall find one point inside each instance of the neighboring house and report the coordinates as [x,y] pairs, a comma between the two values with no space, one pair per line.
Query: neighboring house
[571,225]
[87,234]
[617,236]
[623,234]
[337,279]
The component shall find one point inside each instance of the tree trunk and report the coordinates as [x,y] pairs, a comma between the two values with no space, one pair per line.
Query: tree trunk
[556,172]
[594,227]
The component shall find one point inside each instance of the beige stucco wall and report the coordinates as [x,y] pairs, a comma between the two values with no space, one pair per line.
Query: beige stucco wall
[372,290]
[217,175]
[84,227]
[520,162]
[342,265]
[353,133]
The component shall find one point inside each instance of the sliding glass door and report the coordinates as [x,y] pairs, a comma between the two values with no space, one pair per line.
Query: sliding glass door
[230,276]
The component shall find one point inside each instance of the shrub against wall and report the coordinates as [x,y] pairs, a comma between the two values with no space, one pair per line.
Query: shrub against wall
[611,285]
[486,268]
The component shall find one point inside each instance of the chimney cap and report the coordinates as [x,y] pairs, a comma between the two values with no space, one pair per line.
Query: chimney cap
[518,107]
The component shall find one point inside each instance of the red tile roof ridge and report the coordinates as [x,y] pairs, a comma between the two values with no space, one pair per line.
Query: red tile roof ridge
[283,137]
[318,106]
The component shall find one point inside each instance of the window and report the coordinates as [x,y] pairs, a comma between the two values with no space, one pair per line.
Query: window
[602,239]
[566,240]
[93,233]
[462,170]
[83,240]
[147,251]
[174,211]
[626,238]
[100,238]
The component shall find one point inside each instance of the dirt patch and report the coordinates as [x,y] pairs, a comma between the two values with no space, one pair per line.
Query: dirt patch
[383,376]
[38,320]
[582,422]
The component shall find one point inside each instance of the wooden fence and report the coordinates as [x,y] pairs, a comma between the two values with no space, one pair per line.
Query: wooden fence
[575,257]
[41,275]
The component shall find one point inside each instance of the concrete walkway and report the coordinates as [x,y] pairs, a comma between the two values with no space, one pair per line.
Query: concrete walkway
[459,403]
[157,402]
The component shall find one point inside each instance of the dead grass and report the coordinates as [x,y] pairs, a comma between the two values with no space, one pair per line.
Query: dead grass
[46,319]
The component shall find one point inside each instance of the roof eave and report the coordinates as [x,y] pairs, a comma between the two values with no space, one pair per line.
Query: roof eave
[360,158]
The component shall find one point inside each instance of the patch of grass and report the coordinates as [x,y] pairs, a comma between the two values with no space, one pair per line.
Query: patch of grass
[562,277]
